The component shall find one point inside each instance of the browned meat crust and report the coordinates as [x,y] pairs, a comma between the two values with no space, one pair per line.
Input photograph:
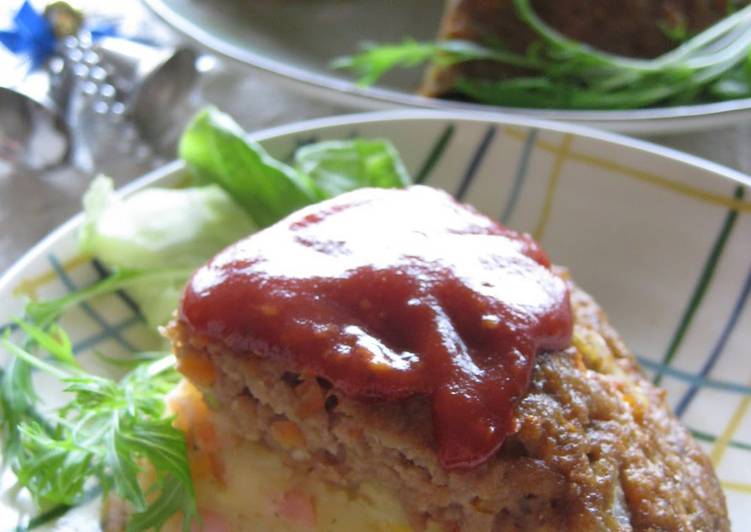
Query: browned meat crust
[634,28]
[596,447]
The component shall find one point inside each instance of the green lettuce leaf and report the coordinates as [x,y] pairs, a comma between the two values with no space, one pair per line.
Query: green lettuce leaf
[157,228]
[215,149]
[242,188]
[338,166]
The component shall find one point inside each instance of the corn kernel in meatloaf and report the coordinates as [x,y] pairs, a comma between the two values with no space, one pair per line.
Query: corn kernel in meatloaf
[596,447]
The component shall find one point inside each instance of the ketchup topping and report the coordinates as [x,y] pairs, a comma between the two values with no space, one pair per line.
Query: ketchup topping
[390,294]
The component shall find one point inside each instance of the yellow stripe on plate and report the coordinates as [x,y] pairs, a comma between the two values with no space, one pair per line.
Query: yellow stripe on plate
[562,153]
[721,444]
[29,286]
[648,177]
[736,486]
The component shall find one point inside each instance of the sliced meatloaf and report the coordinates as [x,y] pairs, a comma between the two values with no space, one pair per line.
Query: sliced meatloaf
[635,28]
[597,447]
[591,444]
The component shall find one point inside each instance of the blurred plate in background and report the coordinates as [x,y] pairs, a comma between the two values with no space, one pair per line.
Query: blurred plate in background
[295,40]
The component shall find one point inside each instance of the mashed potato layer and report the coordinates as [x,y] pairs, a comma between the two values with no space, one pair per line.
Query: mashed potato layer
[245,486]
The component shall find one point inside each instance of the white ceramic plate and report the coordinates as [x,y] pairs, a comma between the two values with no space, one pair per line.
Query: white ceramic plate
[661,240]
[295,40]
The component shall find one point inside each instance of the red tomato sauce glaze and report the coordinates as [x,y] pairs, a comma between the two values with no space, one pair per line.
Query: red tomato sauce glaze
[390,294]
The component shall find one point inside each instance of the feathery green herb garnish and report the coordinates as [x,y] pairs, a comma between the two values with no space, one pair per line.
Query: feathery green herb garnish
[116,434]
[559,72]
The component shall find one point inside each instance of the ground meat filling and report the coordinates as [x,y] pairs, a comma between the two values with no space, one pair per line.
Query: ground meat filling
[595,445]
[435,300]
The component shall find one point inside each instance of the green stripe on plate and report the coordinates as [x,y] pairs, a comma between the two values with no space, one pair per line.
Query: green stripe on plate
[702,284]
[436,152]
[704,436]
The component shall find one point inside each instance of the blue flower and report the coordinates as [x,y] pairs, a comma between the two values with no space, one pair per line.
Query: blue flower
[31,35]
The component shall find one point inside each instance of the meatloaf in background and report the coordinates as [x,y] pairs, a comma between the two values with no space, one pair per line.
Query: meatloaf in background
[636,28]
[597,447]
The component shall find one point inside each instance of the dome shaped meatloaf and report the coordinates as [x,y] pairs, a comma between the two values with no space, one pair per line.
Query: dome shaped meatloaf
[597,447]
[634,28]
